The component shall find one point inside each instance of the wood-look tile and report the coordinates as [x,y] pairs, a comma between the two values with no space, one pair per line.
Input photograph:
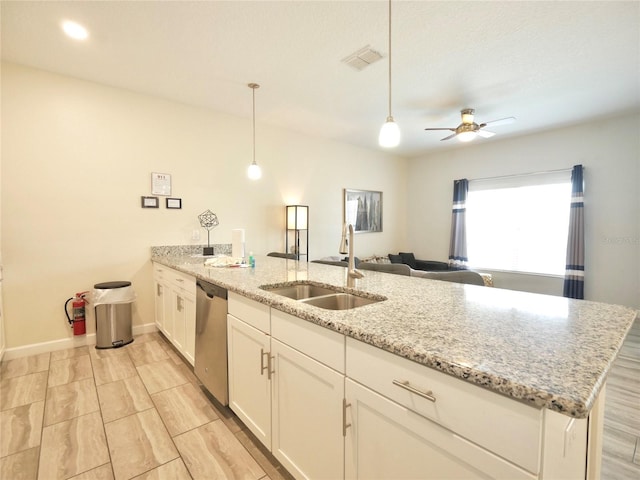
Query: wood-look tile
[174,470]
[622,410]
[103,472]
[22,390]
[69,353]
[24,365]
[138,443]
[112,368]
[183,408]
[212,451]
[20,428]
[20,466]
[109,352]
[265,459]
[70,400]
[160,376]
[122,398]
[69,370]
[147,352]
[187,371]
[615,469]
[149,337]
[619,444]
[73,447]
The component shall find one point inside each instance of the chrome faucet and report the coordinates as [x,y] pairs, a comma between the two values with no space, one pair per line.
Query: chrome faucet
[352,273]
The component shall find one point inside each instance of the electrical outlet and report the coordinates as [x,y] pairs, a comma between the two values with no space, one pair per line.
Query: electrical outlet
[195,235]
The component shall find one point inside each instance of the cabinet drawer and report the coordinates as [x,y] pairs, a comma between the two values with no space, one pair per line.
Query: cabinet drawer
[159,271]
[508,428]
[254,313]
[181,281]
[322,344]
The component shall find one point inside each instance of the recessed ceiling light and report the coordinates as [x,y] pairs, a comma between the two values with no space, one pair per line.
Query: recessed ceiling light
[75,30]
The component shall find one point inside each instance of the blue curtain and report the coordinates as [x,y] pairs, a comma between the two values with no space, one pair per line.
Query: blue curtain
[574,273]
[458,243]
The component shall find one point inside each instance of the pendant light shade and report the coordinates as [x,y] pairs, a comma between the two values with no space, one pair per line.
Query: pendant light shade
[390,132]
[254,172]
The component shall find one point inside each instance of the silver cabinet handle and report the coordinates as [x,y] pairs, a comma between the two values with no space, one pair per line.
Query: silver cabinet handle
[179,280]
[270,372]
[345,425]
[159,289]
[179,305]
[428,395]
[262,367]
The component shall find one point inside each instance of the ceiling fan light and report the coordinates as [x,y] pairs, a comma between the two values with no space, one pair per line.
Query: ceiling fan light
[466,136]
[389,134]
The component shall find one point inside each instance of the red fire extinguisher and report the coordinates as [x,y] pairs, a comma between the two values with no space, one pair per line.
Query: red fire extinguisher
[78,323]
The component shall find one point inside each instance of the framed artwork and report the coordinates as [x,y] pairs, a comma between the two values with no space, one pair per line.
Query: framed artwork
[363,210]
[174,203]
[149,202]
[160,184]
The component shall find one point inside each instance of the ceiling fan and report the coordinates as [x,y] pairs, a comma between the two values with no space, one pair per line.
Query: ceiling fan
[468,129]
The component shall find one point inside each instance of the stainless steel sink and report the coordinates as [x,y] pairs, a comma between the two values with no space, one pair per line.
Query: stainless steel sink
[340,301]
[300,291]
[327,297]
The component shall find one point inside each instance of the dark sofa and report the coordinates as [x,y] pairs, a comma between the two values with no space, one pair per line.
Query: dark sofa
[409,258]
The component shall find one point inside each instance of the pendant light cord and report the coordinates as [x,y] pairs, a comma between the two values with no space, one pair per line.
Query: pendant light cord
[254,124]
[390,116]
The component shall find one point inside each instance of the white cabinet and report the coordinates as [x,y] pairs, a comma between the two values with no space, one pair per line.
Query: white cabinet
[385,440]
[175,308]
[249,376]
[286,383]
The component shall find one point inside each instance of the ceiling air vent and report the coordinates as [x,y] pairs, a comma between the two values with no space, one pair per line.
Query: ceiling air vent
[362,58]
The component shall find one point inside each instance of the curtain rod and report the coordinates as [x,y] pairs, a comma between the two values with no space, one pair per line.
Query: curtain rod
[523,174]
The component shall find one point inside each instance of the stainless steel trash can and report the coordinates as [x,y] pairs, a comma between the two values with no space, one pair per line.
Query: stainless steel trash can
[113,314]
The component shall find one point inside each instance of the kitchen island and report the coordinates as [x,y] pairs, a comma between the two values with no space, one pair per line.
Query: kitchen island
[545,353]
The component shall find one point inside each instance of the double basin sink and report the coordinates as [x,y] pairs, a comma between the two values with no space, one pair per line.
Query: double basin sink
[321,296]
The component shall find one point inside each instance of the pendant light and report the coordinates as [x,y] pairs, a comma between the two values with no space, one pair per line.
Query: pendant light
[390,132]
[254,172]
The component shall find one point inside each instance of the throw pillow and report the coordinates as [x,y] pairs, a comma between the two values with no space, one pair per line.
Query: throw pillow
[395,258]
[409,259]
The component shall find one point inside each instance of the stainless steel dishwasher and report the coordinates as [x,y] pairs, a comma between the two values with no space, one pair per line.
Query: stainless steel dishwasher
[211,340]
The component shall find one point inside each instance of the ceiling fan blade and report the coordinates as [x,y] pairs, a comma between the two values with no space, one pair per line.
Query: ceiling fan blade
[450,129]
[485,134]
[501,121]
[447,138]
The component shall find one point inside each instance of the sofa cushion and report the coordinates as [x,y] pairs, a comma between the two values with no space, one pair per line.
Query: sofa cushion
[398,269]
[395,258]
[409,259]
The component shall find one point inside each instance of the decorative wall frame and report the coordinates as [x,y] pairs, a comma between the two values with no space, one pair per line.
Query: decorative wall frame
[363,210]
[174,203]
[161,184]
[149,202]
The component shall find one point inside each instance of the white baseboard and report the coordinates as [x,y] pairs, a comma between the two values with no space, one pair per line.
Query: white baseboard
[65,343]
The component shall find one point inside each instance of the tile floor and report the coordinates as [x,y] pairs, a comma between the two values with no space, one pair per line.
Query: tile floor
[138,412]
[134,412]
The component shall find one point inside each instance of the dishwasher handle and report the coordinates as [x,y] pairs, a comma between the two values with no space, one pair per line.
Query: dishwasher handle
[212,290]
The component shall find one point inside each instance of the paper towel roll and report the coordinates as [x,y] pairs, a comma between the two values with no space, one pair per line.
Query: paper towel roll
[237,242]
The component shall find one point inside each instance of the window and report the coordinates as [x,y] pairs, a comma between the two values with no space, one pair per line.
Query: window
[519,223]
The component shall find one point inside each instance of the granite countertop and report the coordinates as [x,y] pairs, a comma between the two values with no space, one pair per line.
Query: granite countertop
[547,351]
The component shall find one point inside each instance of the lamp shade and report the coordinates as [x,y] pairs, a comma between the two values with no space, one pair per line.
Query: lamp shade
[466,136]
[389,134]
[254,172]
[297,217]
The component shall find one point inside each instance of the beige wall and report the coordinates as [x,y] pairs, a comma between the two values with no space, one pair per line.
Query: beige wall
[609,149]
[77,156]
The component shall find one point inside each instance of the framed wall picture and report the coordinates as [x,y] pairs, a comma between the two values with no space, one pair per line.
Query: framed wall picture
[174,203]
[149,202]
[160,184]
[363,210]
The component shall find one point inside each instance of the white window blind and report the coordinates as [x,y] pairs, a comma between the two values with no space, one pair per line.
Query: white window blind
[519,223]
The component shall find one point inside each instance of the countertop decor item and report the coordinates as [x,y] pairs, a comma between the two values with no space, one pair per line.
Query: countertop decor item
[254,171]
[297,220]
[208,220]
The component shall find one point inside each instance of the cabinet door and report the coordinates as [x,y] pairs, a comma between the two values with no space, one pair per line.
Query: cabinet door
[160,291]
[167,302]
[179,319]
[386,440]
[249,377]
[189,328]
[307,419]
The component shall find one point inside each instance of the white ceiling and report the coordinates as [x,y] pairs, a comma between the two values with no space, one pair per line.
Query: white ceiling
[546,63]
